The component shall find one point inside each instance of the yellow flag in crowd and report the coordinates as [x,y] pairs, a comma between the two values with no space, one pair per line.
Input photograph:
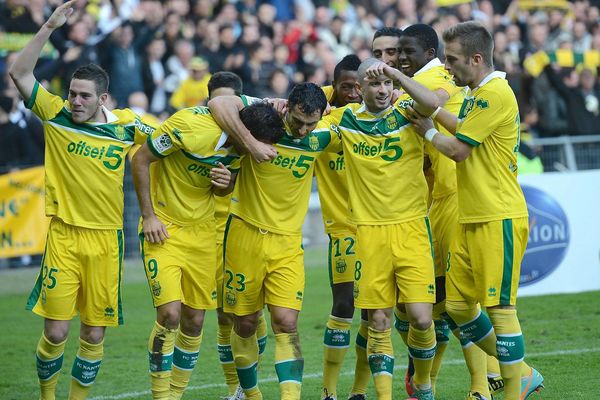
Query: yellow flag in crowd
[23,224]
[535,63]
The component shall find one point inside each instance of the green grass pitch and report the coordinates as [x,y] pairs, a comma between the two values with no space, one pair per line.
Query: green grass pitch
[562,334]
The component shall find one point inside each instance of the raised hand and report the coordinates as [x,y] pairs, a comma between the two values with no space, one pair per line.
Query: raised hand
[60,15]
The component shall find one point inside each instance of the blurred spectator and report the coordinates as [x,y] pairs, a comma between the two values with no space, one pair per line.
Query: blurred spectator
[177,65]
[551,107]
[194,90]
[257,70]
[138,102]
[154,74]
[279,85]
[22,16]
[581,93]
[126,58]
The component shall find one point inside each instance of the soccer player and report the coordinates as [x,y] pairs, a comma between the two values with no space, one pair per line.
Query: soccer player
[385,45]
[485,257]
[228,84]
[190,157]
[86,145]
[394,254]
[263,239]
[417,56]
[330,172]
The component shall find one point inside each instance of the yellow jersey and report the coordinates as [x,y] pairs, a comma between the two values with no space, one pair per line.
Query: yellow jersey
[85,163]
[434,76]
[190,143]
[274,195]
[221,214]
[487,180]
[329,92]
[384,165]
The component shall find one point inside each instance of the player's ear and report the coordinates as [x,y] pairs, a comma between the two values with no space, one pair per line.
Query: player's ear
[102,99]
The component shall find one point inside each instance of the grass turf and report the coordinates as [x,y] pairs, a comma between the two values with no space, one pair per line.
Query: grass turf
[562,334]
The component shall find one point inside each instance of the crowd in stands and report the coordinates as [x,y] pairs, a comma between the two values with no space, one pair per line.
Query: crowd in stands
[160,54]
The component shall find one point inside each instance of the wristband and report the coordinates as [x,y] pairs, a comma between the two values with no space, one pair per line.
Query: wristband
[435,113]
[430,134]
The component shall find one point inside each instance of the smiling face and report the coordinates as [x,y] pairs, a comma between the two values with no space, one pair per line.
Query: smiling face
[345,88]
[412,56]
[84,101]
[377,93]
[300,123]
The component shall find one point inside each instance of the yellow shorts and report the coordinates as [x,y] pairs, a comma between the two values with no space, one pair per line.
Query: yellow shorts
[261,268]
[485,262]
[219,275]
[443,215]
[184,267]
[395,264]
[81,272]
[342,257]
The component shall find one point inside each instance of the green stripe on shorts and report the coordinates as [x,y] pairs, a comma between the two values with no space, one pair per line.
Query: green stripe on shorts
[508,239]
[329,262]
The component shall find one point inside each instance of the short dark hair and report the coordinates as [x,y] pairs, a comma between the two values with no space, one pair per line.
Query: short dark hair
[94,73]
[425,35]
[263,122]
[308,97]
[224,79]
[348,63]
[387,31]
[474,38]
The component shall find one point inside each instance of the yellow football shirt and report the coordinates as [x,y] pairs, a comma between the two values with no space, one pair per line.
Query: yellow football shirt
[221,214]
[487,180]
[384,165]
[434,76]
[190,144]
[329,92]
[85,162]
[274,195]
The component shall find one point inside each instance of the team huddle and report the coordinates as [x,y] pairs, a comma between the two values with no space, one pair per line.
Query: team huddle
[416,169]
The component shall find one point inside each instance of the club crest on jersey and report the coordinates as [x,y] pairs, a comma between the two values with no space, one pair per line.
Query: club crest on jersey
[340,265]
[230,298]
[466,107]
[120,132]
[391,122]
[313,142]
[156,289]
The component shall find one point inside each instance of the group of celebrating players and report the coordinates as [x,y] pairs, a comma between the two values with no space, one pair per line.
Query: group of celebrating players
[435,259]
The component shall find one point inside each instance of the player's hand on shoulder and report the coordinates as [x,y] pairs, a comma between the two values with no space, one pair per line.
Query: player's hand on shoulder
[422,124]
[220,176]
[154,230]
[280,105]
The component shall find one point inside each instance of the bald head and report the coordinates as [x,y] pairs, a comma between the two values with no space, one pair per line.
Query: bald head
[364,66]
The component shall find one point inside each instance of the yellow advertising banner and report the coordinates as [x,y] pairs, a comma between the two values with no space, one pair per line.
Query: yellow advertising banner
[23,224]
[450,3]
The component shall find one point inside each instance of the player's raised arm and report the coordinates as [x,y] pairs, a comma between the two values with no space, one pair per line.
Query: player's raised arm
[426,101]
[21,72]
[225,110]
[154,230]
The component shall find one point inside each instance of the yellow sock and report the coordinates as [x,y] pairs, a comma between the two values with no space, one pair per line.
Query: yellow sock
[493,367]
[289,365]
[511,349]
[49,359]
[336,342]
[226,357]
[421,346]
[362,371]
[85,369]
[402,325]
[185,357]
[245,356]
[442,338]
[475,326]
[261,335]
[160,355]
[381,361]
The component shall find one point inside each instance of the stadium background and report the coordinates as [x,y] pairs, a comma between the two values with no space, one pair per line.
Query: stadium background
[154,49]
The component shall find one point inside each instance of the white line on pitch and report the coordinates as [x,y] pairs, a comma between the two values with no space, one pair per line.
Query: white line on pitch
[345,373]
